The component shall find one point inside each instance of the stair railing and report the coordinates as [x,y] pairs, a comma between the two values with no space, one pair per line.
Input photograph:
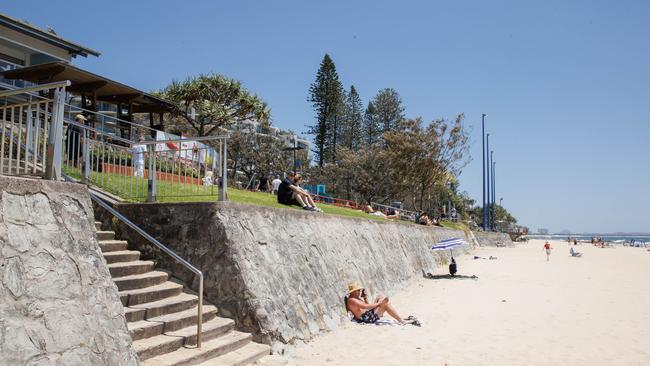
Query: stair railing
[151,239]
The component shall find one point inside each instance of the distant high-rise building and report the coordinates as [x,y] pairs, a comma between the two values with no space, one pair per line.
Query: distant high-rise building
[542,231]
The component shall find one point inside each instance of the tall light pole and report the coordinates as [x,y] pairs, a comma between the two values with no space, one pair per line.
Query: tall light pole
[483,151]
[488,181]
[494,183]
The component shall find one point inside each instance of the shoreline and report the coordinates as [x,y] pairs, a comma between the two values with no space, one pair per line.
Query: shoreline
[521,310]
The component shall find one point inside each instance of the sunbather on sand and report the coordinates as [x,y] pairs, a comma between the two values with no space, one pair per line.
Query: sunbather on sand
[366,312]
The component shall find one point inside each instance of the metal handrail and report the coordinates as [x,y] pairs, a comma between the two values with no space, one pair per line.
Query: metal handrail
[151,239]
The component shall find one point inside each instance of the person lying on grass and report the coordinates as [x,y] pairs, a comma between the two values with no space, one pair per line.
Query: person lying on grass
[356,302]
[291,194]
[369,210]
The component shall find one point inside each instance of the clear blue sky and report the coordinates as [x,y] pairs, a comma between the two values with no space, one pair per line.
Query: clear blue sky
[566,84]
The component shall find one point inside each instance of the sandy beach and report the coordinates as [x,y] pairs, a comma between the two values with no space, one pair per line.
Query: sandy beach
[522,310]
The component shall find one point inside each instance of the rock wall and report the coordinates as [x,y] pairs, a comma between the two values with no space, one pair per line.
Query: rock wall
[281,273]
[58,304]
[489,239]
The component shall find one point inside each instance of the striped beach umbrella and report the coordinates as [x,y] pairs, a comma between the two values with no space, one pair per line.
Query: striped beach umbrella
[450,244]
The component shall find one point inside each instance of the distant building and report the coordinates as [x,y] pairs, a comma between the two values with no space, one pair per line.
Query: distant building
[290,139]
[542,231]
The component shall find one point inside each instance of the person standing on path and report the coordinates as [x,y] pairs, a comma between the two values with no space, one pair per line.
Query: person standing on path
[547,248]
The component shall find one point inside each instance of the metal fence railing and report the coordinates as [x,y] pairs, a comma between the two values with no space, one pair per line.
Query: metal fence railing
[42,135]
[29,130]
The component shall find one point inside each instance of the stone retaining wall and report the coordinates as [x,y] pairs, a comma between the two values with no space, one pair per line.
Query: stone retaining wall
[489,239]
[58,304]
[281,273]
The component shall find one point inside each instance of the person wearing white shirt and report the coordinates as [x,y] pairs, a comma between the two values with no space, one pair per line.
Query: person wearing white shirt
[276,185]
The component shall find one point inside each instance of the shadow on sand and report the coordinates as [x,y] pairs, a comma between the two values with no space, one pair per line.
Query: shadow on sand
[448,277]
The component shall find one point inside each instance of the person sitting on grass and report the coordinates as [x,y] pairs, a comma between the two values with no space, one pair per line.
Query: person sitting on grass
[304,194]
[356,301]
[424,219]
[291,194]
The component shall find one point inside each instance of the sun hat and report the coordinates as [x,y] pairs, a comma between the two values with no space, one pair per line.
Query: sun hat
[353,286]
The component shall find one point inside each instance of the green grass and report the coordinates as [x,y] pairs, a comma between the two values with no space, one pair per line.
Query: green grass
[134,189]
[454,225]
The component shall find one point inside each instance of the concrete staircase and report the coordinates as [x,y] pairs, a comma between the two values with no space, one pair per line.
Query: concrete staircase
[161,315]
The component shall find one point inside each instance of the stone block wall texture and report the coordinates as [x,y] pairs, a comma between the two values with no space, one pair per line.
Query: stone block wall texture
[58,304]
[282,273]
[488,239]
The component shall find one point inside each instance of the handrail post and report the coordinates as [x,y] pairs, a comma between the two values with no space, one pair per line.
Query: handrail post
[199,318]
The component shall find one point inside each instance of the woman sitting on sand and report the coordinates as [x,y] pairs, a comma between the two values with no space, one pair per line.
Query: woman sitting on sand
[356,302]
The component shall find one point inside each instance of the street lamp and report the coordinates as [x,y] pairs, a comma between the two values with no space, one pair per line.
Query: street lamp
[488,183]
[494,184]
[294,149]
[483,151]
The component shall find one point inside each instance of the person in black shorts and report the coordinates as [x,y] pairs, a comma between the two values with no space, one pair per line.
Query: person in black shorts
[356,302]
[290,194]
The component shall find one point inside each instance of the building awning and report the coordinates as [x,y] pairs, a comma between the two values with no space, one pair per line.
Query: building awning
[83,81]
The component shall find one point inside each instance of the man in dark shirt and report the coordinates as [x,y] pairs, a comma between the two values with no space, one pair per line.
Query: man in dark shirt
[287,193]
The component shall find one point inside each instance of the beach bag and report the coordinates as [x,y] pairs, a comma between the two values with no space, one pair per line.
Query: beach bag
[452,267]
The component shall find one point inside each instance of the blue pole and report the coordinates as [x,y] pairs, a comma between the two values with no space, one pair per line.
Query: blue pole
[488,184]
[494,180]
[483,150]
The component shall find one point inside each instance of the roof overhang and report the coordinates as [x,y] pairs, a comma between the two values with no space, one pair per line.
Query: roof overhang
[83,81]
[53,39]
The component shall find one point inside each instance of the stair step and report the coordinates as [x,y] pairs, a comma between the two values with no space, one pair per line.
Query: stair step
[122,269]
[134,315]
[105,235]
[169,342]
[143,280]
[122,256]
[191,355]
[149,294]
[240,357]
[112,245]
[98,225]
[168,323]
[169,305]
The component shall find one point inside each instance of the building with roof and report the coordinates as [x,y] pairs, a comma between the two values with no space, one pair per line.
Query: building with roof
[23,44]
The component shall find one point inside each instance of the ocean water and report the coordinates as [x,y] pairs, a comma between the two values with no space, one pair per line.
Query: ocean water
[641,240]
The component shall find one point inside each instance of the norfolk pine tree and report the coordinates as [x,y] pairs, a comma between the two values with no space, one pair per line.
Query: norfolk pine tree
[326,96]
[389,109]
[352,126]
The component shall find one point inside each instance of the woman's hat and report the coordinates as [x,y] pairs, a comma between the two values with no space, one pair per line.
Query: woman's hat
[81,117]
[353,286]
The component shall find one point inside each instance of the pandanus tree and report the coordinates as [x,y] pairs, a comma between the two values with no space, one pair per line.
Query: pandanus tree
[210,101]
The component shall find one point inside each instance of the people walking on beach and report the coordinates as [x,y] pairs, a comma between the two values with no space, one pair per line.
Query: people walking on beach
[356,301]
[547,248]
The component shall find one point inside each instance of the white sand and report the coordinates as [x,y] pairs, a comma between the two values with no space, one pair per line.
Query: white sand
[593,310]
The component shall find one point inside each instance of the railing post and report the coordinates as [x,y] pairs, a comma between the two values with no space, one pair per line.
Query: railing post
[199,320]
[85,165]
[223,192]
[151,181]
[55,137]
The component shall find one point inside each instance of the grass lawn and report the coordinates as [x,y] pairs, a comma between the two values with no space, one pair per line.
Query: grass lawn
[134,189]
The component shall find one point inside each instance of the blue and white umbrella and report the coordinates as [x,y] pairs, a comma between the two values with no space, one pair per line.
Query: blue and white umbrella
[450,243]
